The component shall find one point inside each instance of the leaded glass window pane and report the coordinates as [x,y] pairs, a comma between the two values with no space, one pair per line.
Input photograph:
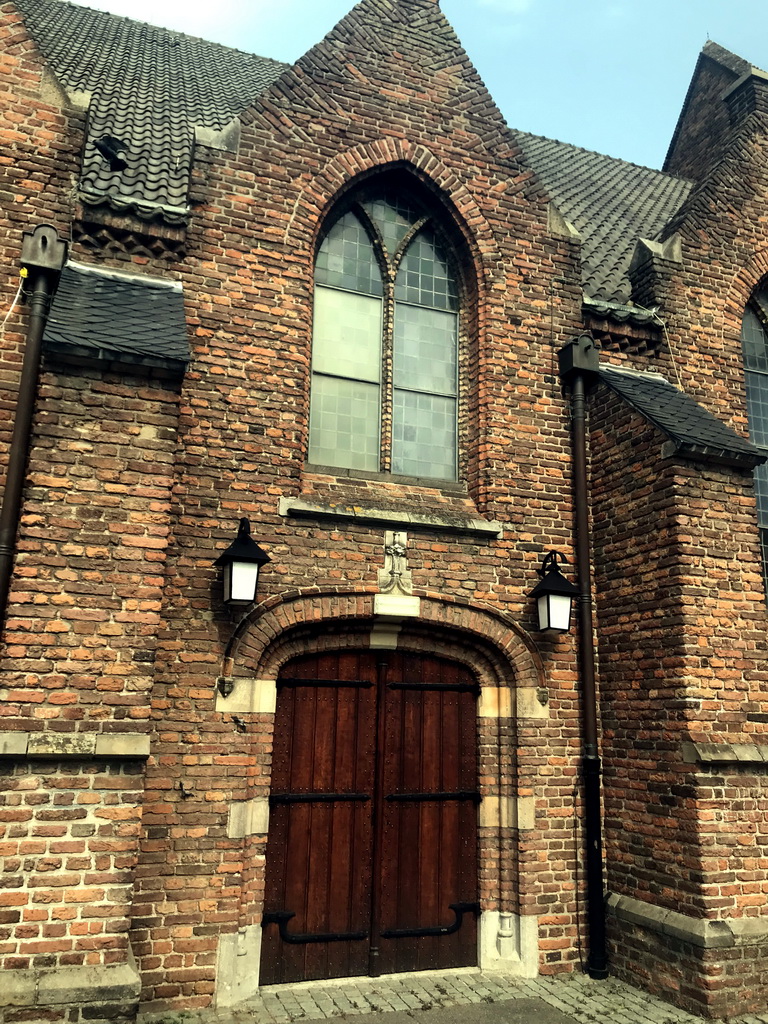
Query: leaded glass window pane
[393,217]
[359,320]
[761,490]
[344,423]
[424,435]
[347,335]
[346,259]
[753,340]
[424,278]
[757,408]
[425,349]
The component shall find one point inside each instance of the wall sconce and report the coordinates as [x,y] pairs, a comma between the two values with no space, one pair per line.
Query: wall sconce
[554,596]
[241,563]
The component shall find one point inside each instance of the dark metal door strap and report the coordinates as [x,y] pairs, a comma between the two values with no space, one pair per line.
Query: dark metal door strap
[281,919]
[459,909]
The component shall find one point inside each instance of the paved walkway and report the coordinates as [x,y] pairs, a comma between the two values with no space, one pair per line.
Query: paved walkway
[451,997]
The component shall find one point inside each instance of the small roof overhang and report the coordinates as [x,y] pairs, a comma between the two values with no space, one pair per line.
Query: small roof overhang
[129,322]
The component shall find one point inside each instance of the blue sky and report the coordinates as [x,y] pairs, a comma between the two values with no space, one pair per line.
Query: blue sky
[609,75]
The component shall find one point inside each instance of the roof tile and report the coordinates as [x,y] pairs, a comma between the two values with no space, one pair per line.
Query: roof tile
[150,87]
[610,202]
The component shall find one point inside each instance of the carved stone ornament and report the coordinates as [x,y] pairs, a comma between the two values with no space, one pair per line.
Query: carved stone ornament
[395,577]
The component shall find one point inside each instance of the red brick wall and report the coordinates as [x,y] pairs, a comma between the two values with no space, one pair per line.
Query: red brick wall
[702,132]
[117,616]
[40,143]
[68,843]
[85,604]
[680,628]
[243,433]
[81,642]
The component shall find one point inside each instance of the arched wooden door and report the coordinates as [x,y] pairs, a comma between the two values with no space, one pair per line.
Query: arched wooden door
[372,848]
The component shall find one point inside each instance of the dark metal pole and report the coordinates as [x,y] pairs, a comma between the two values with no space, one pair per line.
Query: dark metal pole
[44,255]
[597,962]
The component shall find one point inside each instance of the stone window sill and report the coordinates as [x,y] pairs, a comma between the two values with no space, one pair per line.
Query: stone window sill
[448,522]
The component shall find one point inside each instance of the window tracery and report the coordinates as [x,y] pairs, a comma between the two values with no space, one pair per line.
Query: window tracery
[385,383]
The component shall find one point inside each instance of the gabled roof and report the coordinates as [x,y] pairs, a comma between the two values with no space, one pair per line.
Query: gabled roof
[728,60]
[695,432]
[704,121]
[150,88]
[610,202]
[128,318]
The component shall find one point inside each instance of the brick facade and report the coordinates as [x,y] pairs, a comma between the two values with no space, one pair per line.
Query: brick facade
[135,793]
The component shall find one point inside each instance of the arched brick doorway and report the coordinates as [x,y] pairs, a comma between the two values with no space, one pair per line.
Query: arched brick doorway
[372,848]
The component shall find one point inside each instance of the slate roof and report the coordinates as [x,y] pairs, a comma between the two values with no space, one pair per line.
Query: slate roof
[610,202]
[150,88]
[105,313]
[693,429]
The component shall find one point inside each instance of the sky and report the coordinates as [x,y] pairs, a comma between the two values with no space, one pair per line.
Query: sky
[608,75]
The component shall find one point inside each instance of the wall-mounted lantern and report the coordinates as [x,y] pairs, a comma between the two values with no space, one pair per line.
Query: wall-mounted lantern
[241,563]
[554,596]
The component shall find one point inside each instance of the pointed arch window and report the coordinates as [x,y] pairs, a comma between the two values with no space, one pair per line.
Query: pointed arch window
[754,342]
[385,342]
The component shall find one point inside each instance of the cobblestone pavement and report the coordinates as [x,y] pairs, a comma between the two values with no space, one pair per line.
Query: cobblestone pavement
[487,999]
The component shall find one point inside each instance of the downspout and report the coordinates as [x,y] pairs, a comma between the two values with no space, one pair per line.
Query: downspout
[43,254]
[578,366]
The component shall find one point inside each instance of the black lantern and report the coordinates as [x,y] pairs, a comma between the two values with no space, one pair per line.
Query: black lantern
[241,563]
[554,596]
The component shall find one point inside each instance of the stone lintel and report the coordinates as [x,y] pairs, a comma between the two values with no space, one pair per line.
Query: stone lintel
[495,702]
[226,139]
[532,702]
[508,944]
[385,634]
[75,745]
[646,249]
[507,702]
[559,225]
[701,932]
[237,974]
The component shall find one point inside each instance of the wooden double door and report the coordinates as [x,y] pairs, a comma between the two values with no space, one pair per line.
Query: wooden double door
[372,847]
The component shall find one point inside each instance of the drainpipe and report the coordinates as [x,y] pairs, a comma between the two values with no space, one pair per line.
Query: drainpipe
[578,366]
[43,254]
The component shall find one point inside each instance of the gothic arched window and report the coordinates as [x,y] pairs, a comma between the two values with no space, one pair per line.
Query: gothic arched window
[385,342]
[754,342]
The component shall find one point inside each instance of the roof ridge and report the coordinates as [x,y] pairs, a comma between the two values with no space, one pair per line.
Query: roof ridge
[631,371]
[148,24]
[122,275]
[716,51]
